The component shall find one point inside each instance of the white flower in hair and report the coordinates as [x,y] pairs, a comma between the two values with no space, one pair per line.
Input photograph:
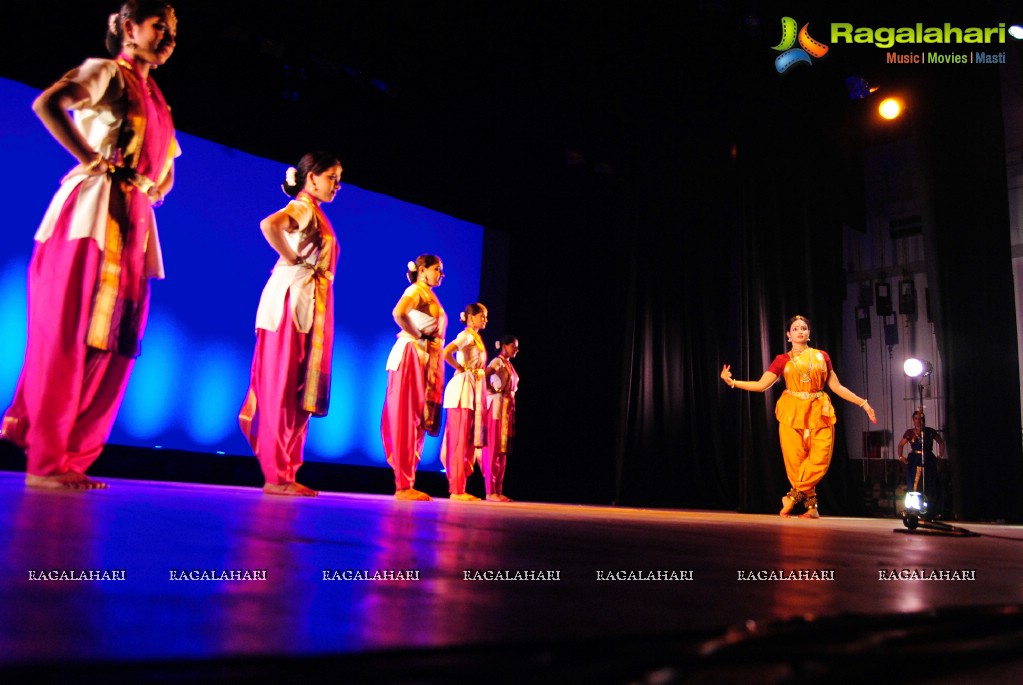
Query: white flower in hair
[461,317]
[411,266]
[289,176]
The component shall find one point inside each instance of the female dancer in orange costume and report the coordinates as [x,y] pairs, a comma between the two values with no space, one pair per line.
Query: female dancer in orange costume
[290,378]
[806,418]
[96,249]
[502,384]
[415,375]
[465,402]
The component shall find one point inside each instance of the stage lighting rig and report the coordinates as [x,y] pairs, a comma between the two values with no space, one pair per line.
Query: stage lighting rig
[916,503]
[890,108]
[918,368]
[858,88]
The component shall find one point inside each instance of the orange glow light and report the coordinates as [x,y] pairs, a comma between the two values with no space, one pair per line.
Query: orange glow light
[890,108]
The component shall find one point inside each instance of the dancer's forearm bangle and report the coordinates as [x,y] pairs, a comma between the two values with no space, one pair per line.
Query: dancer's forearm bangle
[864,404]
[731,382]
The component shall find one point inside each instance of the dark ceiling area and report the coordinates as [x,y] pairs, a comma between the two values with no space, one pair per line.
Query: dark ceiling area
[466,106]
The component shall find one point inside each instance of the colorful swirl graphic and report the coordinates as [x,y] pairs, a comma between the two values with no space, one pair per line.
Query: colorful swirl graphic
[788,34]
[790,58]
[814,48]
[809,49]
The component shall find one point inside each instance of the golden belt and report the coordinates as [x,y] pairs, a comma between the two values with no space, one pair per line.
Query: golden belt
[804,395]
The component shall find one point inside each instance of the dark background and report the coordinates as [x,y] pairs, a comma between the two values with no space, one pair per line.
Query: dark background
[661,194]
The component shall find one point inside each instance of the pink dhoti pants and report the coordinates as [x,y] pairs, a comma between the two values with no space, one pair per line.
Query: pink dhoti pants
[492,458]
[68,394]
[458,454]
[272,417]
[401,424]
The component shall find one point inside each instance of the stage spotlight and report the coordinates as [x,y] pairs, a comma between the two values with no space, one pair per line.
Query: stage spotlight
[370,81]
[749,25]
[915,368]
[890,108]
[883,299]
[863,323]
[907,298]
[293,81]
[915,509]
[858,87]
[916,504]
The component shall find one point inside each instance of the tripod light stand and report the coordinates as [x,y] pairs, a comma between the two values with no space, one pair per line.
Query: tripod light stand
[916,501]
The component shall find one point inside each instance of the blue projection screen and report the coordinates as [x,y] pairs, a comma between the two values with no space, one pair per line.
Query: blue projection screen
[192,376]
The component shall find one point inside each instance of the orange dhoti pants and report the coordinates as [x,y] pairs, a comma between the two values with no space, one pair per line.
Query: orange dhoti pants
[807,455]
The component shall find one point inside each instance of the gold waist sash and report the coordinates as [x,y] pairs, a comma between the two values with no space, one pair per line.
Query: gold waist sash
[804,395]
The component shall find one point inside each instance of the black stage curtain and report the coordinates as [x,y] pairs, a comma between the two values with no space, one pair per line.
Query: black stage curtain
[719,279]
[564,304]
[966,228]
[749,250]
[723,217]
[716,224]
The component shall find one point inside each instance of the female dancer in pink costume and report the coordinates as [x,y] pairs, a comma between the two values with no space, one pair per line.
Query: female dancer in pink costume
[464,401]
[96,249]
[502,384]
[806,419]
[290,378]
[415,375]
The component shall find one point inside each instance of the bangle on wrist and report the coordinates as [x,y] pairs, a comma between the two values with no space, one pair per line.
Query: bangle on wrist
[731,382]
[864,404]
[94,164]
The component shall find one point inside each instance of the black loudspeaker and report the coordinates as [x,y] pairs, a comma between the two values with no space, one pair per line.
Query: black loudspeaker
[883,299]
[907,299]
[891,332]
[863,323]
[866,297]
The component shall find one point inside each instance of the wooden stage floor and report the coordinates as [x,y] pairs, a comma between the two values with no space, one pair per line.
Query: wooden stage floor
[420,591]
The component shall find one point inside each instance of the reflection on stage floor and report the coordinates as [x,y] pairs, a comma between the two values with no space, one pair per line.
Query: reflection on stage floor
[172,573]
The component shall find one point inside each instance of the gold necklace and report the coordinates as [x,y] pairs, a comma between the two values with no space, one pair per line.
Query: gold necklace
[804,375]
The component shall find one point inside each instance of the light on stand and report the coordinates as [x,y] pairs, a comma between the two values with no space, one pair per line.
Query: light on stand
[916,503]
[915,509]
[915,368]
[915,513]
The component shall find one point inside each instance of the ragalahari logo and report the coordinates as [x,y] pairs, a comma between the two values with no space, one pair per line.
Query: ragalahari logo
[808,50]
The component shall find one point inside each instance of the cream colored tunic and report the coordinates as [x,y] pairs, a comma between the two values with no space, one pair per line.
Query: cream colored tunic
[293,279]
[460,392]
[99,118]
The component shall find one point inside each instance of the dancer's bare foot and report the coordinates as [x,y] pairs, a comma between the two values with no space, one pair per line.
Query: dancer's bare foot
[786,506]
[411,494]
[498,497]
[810,514]
[463,497]
[63,481]
[289,490]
